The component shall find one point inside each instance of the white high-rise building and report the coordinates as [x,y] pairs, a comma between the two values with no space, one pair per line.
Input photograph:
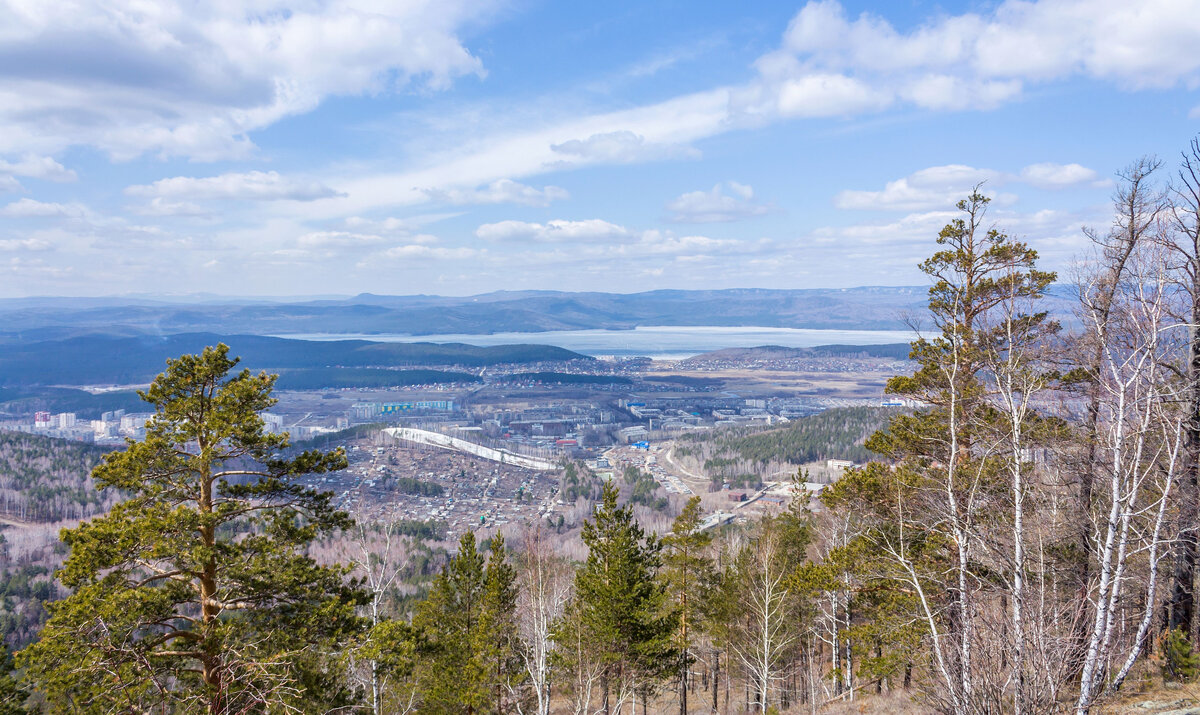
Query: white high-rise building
[274,423]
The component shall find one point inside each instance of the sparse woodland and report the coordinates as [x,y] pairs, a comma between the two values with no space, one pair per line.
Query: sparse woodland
[1023,542]
[43,479]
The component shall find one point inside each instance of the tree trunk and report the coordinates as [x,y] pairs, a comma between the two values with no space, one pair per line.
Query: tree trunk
[683,685]
[1181,611]
[211,662]
[716,675]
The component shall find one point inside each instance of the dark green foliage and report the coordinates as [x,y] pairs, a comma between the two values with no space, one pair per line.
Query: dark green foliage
[328,440]
[432,530]
[622,604]
[579,481]
[408,485]
[467,633]
[838,433]
[22,401]
[690,576]
[983,281]
[195,593]
[1180,662]
[643,489]
[12,694]
[24,590]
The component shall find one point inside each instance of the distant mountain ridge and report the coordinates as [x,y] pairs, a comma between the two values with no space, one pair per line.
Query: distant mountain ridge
[868,308]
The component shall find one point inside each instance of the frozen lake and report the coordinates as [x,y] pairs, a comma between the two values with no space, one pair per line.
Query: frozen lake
[664,342]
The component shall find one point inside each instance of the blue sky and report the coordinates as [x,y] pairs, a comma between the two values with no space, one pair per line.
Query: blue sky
[456,147]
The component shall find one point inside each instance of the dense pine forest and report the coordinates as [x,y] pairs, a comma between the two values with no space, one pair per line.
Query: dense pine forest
[1025,541]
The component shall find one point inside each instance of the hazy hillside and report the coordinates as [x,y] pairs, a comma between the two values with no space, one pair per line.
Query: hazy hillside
[778,352]
[853,308]
[100,359]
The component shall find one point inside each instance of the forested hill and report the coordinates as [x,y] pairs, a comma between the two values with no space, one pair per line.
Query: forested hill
[104,359]
[44,479]
[837,433]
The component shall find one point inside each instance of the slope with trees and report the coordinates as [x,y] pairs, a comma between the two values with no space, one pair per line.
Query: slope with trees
[1020,543]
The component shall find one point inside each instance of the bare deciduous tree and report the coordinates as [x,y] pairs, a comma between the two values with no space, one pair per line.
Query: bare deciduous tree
[545,580]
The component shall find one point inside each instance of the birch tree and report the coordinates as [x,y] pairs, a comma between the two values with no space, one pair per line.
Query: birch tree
[765,630]
[925,512]
[1139,433]
[544,581]
[378,558]
[1184,242]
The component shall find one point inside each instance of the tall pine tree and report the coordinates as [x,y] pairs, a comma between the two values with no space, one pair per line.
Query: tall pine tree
[467,626]
[623,604]
[194,594]
[689,575]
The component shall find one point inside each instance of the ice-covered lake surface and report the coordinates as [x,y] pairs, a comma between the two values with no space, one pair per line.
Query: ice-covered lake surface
[662,342]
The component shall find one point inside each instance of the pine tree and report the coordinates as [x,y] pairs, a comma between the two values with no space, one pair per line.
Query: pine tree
[12,695]
[497,633]
[623,609]
[924,512]
[194,594]
[452,678]
[689,573]
[468,661]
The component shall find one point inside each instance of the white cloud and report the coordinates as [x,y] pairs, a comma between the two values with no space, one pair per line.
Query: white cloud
[502,191]
[423,251]
[941,187]
[828,65]
[827,95]
[29,208]
[900,244]
[938,187]
[1057,176]
[35,268]
[249,186]
[394,226]
[664,243]
[557,231]
[831,65]
[1145,44]
[158,206]
[192,79]
[717,205]
[338,239]
[620,147]
[24,244]
[34,167]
